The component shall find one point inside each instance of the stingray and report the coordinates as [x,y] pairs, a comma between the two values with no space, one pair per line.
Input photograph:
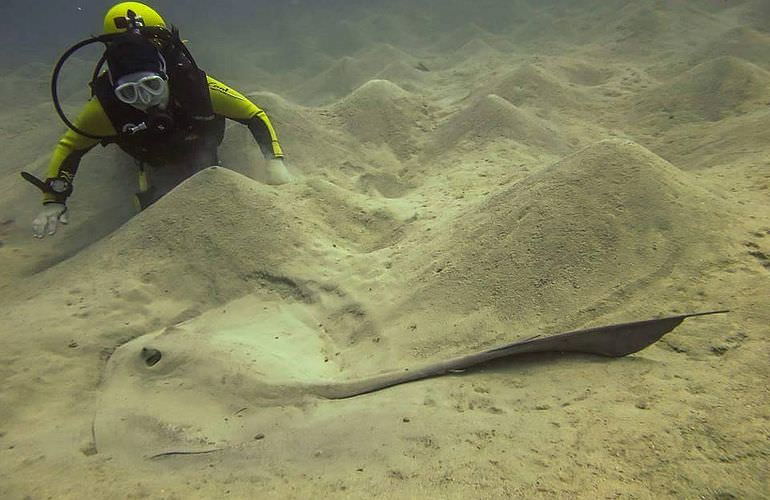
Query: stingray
[179,389]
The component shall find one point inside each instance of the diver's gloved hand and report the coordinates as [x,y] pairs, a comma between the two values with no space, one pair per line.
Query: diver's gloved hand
[48,219]
[277,173]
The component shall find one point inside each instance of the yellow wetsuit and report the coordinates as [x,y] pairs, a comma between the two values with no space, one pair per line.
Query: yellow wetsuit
[92,119]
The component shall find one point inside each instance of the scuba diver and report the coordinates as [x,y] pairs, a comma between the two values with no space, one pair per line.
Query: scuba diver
[154,103]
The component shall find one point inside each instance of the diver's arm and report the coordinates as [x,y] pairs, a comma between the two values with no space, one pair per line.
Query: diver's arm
[264,134]
[234,105]
[64,165]
[66,157]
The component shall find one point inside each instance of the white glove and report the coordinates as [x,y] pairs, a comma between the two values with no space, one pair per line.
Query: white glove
[277,173]
[46,221]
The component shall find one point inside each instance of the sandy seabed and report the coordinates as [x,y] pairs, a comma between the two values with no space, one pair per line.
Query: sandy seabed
[529,171]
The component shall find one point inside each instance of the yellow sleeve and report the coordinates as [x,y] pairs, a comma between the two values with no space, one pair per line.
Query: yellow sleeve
[72,146]
[234,105]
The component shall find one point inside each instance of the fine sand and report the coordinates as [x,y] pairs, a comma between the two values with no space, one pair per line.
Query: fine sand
[464,177]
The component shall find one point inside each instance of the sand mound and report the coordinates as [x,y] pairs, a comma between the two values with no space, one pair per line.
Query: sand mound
[585,73]
[741,42]
[644,29]
[352,222]
[380,112]
[383,53]
[711,91]
[205,240]
[339,80]
[493,118]
[406,76]
[349,72]
[531,85]
[594,227]
[386,62]
[455,39]
[718,143]
[449,42]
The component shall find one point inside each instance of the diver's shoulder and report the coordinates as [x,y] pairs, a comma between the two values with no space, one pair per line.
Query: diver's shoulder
[218,88]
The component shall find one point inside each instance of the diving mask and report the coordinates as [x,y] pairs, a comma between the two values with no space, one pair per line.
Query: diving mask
[143,90]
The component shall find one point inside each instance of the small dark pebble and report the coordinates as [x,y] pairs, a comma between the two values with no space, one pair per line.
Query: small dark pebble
[719,350]
[259,436]
[407,419]
[73,345]
[360,469]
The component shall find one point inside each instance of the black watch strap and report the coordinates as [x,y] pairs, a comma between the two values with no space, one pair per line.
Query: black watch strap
[59,188]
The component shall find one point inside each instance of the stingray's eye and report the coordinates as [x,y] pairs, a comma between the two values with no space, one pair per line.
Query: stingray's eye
[151,356]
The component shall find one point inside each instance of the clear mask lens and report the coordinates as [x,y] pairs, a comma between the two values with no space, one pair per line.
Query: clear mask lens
[153,84]
[127,93]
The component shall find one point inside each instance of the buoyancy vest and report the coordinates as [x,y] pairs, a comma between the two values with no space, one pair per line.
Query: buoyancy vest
[194,124]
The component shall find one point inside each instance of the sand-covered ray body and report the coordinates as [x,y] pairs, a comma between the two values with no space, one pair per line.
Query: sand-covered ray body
[178,389]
